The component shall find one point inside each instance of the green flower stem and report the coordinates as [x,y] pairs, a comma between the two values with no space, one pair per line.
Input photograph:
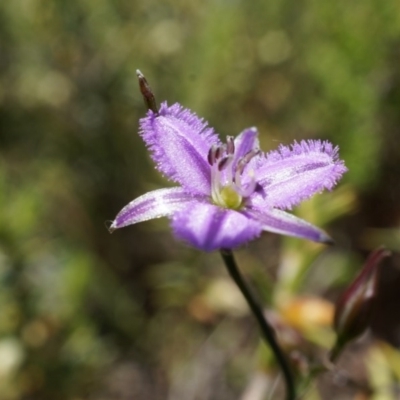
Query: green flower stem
[266,329]
[335,352]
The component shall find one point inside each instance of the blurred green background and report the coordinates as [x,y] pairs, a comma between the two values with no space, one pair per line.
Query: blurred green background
[137,315]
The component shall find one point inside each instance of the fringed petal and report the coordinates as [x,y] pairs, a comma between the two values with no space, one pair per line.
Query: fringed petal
[292,174]
[179,142]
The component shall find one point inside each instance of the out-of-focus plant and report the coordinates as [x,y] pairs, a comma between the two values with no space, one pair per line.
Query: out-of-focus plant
[85,315]
[354,308]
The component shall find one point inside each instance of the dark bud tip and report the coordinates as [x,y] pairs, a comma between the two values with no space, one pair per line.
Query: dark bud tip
[147,93]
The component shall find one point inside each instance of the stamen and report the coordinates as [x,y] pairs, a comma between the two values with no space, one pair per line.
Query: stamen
[219,151]
[239,171]
[211,156]
[215,184]
[230,145]
[224,162]
[245,160]
[226,180]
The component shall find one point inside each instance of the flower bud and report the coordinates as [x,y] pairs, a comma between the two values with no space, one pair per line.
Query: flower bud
[354,307]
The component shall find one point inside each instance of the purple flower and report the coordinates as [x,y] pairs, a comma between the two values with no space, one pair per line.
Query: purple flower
[229,193]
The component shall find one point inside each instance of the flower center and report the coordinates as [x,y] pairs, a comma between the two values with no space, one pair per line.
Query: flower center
[227,188]
[230,197]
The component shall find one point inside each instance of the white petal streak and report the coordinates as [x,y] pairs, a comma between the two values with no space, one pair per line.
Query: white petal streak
[155,204]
